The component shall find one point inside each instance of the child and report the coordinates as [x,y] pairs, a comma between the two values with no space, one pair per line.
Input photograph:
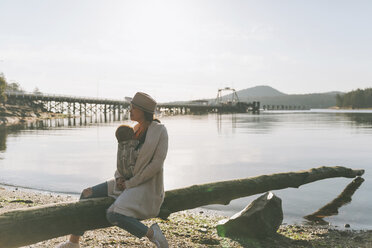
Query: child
[126,155]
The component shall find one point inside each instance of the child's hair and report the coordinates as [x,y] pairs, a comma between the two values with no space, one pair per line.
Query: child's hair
[124,132]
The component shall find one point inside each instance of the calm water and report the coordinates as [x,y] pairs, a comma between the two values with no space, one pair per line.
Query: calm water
[207,148]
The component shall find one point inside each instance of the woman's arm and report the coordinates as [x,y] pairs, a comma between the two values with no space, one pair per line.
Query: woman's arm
[154,166]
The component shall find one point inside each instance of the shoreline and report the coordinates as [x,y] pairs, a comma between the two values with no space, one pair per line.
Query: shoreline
[20,115]
[191,228]
[348,108]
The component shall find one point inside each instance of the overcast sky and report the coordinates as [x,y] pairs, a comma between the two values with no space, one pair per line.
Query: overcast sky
[179,50]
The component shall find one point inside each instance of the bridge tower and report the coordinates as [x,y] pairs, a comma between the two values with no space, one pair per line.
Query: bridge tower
[234,96]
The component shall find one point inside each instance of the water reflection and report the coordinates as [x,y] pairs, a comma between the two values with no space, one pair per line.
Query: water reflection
[364,120]
[266,123]
[223,119]
[332,208]
[72,122]
[45,124]
[4,131]
[3,139]
[263,123]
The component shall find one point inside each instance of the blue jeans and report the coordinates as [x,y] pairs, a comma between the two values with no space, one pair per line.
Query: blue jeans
[130,224]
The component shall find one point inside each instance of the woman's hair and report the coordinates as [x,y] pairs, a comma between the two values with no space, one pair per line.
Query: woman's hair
[150,117]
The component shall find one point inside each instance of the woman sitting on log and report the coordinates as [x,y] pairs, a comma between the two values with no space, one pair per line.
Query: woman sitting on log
[141,196]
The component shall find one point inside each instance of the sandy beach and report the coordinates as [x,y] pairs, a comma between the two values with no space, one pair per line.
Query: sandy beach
[193,228]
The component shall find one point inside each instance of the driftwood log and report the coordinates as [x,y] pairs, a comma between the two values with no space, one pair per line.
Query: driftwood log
[333,207]
[28,226]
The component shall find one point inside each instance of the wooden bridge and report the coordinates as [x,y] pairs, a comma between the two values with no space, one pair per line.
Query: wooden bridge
[73,106]
[240,107]
[284,107]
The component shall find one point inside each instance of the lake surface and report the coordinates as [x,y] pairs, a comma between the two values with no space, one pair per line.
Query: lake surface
[208,148]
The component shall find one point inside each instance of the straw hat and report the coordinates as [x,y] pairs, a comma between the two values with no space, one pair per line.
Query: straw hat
[144,102]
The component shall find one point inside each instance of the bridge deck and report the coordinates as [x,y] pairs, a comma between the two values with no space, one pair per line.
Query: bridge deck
[66,98]
[124,104]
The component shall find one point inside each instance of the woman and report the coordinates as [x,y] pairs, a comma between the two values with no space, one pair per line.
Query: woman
[142,194]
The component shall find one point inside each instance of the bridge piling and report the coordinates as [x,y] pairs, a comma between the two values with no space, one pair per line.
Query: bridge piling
[105,112]
[69,110]
[114,112]
[119,109]
[61,104]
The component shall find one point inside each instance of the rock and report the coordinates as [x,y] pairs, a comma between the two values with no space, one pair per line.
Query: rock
[261,218]
[358,239]
[347,225]
[208,240]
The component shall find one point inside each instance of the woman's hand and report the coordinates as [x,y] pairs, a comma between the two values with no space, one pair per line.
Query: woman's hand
[120,183]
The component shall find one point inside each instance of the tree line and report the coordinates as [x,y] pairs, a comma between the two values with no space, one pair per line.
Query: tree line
[3,85]
[11,87]
[355,99]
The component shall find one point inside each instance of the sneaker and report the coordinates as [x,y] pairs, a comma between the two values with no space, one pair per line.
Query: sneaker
[158,239]
[68,244]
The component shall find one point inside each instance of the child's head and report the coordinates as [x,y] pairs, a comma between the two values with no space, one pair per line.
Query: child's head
[124,132]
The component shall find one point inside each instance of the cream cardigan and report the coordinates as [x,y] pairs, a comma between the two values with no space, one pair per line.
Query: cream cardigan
[144,192]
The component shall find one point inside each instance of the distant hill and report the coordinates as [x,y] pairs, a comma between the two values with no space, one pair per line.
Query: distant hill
[267,95]
[259,91]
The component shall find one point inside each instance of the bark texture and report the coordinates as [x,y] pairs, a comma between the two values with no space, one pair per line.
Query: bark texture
[24,227]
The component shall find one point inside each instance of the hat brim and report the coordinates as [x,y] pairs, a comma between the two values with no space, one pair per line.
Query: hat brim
[141,108]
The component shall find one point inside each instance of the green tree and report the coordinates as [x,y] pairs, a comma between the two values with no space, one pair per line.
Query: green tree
[14,87]
[3,85]
[356,99]
[339,100]
[368,97]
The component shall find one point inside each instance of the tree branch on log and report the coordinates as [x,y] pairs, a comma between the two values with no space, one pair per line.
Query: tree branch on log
[332,207]
[28,226]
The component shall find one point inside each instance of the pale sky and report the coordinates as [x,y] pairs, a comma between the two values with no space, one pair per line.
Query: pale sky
[180,50]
